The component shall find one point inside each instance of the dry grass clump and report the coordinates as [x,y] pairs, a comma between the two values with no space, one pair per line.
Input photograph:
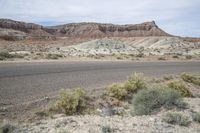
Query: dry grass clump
[135,83]
[180,87]
[190,78]
[6,55]
[175,56]
[120,91]
[188,57]
[161,58]
[176,118]
[117,90]
[168,77]
[71,102]
[53,56]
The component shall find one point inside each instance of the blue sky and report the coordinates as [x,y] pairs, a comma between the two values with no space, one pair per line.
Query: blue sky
[178,17]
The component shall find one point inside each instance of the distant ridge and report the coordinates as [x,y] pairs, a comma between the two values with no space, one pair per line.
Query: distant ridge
[81,30]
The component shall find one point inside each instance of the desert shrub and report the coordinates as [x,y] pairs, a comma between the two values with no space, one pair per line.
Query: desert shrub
[196,117]
[175,56]
[132,55]
[190,78]
[188,57]
[7,128]
[168,77]
[120,91]
[148,100]
[53,56]
[119,58]
[107,129]
[18,55]
[39,54]
[8,38]
[197,95]
[71,102]
[117,90]
[176,118]
[180,87]
[5,55]
[140,55]
[135,83]
[2,58]
[161,58]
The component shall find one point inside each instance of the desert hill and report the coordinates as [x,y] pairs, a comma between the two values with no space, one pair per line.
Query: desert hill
[80,30]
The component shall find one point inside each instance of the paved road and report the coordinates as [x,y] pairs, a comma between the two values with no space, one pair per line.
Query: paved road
[22,82]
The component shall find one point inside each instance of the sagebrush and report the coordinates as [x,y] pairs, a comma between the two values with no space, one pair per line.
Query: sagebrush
[149,100]
[196,117]
[190,78]
[71,102]
[176,118]
[117,90]
[132,85]
[180,87]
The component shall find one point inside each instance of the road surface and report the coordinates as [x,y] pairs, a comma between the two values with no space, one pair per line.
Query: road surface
[23,82]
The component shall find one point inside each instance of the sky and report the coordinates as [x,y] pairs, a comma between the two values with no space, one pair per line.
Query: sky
[177,17]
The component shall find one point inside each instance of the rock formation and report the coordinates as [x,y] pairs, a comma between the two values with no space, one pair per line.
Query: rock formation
[84,30]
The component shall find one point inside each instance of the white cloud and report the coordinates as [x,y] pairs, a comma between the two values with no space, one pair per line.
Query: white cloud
[166,13]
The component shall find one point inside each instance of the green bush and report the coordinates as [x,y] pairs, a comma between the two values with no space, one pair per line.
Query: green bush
[120,91]
[148,100]
[190,78]
[176,118]
[107,129]
[161,58]
[180,87]
[53,56]
[135,83]
[175,56]
[119,57]
[188,57]
[140,55]
[7,128]
[196,117]
[5,55]
[117,90]
[71,102]
[168,77]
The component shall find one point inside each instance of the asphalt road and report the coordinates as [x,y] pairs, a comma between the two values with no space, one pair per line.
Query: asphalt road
[23,82]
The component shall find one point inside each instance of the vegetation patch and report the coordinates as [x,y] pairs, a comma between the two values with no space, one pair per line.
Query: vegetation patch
[117,90]
[190,78]
[107,129]
[176,118]
[161,58]
[180,87]
[120,91]
[188,57]
[5,55]
[53,56]
[196,117]
[168,77]
[7,128]
[148,100]
[175,56]
[135,83]
[72,102]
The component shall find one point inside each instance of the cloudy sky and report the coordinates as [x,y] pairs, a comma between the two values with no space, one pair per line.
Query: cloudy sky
[178,17]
